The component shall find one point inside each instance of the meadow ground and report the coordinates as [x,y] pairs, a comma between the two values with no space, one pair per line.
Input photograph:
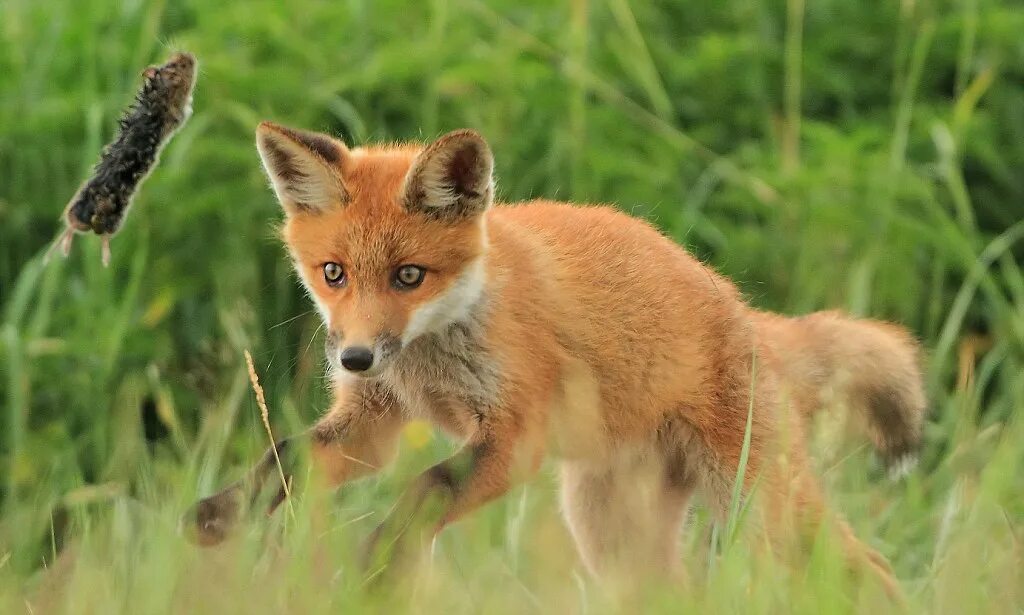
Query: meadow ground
[851,154]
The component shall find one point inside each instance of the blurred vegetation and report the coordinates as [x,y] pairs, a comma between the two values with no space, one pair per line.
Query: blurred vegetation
[853,154]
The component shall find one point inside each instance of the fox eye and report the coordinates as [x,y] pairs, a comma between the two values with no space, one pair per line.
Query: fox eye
[334,274]
[409,276]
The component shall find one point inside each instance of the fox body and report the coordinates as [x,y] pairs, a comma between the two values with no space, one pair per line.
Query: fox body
[544,328]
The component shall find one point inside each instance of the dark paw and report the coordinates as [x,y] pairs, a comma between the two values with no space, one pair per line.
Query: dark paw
[211,520]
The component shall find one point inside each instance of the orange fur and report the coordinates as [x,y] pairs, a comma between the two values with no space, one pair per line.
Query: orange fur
[576,332]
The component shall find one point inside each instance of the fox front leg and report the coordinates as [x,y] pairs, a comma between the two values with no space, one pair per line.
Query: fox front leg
[212,519]
[480,472]
[356,437]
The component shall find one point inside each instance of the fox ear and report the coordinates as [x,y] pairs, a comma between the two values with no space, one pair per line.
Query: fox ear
[304,167]
[452,178]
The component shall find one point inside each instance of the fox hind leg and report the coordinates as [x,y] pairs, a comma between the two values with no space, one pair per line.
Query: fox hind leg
[625,517]
[790,510]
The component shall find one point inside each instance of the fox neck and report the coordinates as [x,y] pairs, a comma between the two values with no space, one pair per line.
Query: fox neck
[449,367]
[455,305]
[458,303]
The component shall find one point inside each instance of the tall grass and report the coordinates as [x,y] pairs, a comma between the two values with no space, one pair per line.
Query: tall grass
[859,155]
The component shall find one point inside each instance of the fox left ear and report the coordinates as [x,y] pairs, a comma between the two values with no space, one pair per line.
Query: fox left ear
[452,179]
[304,167]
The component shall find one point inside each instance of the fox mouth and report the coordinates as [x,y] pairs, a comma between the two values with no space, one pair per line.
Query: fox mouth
[367,374]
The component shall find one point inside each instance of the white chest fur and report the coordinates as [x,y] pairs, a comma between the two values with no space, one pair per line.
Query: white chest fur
[450,376]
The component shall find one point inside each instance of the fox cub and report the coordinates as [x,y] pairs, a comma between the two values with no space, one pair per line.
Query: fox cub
[545,328]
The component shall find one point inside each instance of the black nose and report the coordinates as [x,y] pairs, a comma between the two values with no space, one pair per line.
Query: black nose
[356,358]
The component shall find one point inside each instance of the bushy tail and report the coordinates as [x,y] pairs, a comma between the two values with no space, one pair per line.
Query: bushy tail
[870,367]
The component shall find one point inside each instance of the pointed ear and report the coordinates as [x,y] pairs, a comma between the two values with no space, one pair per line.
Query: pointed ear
[304,167]
[452,178]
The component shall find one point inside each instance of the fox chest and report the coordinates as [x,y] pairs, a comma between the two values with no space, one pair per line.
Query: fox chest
[450,379]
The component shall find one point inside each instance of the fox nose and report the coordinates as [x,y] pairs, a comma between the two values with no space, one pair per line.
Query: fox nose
[356,358]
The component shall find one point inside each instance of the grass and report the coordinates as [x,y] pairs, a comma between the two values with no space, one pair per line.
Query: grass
[858,155]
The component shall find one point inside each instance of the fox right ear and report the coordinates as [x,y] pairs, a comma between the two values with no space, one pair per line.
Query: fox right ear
[452,178]
[304,167]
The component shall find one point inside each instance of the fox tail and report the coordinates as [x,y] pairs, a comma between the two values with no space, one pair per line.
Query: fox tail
[870,367]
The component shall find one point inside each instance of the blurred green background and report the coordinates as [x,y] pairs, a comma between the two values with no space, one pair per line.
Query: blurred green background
[864,155]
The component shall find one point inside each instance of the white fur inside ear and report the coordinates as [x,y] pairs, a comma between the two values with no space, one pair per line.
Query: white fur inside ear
[438,190]
[302,180]
[453,177]
[438,186]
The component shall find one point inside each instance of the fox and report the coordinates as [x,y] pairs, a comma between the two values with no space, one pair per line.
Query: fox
[547,330]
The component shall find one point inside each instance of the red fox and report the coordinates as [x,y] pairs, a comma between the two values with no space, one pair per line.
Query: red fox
[543,328]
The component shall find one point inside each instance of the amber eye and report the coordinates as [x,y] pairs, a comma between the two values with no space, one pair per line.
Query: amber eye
[334,274]
[409,276]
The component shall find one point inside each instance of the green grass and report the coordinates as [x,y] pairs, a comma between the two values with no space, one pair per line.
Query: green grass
[837,153]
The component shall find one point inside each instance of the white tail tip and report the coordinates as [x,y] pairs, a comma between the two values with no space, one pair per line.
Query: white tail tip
[902,466]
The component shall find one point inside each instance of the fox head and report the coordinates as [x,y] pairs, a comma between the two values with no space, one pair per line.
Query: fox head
[389,241]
